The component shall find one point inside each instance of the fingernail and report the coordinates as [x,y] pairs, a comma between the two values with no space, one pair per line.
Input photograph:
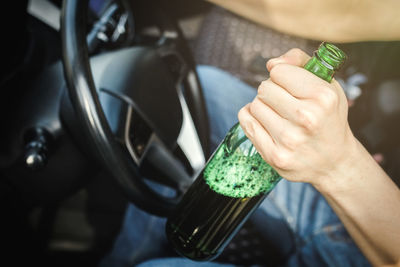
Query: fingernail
[249,129]
[379,158]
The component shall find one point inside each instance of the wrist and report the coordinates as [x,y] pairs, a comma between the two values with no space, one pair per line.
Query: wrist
[348,171]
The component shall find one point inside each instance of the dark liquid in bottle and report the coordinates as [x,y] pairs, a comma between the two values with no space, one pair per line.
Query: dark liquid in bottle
[205,221]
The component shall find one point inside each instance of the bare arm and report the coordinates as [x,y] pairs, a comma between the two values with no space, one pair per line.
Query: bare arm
[298,123]
[329,20]
[368,203]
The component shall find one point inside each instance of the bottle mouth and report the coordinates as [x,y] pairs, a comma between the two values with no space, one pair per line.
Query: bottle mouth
[331,55]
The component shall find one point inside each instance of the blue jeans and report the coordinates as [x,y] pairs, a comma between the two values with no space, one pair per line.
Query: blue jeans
[317,237]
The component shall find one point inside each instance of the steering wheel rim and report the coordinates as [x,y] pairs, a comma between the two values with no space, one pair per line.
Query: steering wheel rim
[85,102]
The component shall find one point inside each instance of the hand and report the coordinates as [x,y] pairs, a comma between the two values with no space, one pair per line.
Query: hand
[298,122]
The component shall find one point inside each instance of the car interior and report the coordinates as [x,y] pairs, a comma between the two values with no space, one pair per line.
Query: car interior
[100,100]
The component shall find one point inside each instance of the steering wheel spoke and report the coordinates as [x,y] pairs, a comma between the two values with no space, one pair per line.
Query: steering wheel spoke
[159,164]
[150,153]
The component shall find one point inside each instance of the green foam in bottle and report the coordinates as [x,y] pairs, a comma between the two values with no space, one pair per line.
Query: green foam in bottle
[233,184]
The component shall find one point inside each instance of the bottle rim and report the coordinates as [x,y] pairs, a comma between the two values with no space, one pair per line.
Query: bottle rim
[331,56]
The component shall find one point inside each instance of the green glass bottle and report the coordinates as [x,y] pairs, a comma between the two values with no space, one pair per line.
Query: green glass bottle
[232,185]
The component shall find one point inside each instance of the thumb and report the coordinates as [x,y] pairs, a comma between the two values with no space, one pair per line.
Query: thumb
[294,56]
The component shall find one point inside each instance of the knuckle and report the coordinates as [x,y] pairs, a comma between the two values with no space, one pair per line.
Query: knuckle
[290,140]
[307,120]
[280,160]
[242,114]
[276,71]
[253,106]
[327,98]
[297,52]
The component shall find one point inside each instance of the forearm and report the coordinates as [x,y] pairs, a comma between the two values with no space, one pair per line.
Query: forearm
[329,20]
[368,203]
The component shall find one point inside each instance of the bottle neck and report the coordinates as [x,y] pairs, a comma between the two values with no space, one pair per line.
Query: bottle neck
[320,68]
[326,60]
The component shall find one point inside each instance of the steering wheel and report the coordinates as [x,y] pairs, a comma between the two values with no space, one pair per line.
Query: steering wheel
[120,159]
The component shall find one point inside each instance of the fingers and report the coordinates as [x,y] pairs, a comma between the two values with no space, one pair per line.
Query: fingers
[302,114]
[291,65]
[278,99]
[294,57]
[268,118]
[302,84]
[284,133]
[277,157]
[257,134]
